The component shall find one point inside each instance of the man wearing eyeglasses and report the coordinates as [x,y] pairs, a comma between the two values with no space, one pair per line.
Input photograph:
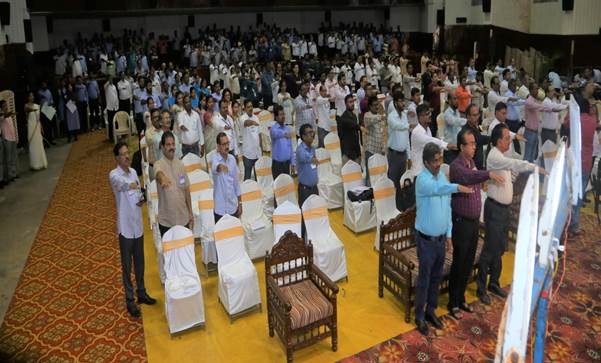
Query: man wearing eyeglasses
[307,164]
[466,218]
[472,113]
[226,188]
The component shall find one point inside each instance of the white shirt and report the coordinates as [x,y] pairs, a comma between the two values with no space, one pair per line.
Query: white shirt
[112,99]
[492,126]
[551,119]
[419,138]
[192,122]
[129,214]
[338,94]
[251,147]
[496,161]
[220,123]
[125,90]
[494,98]
[322,105]
[412,108]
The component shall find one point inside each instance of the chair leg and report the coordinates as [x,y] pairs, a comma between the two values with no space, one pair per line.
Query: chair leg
[289,355]
[334,329]
[407,308]
[270,322]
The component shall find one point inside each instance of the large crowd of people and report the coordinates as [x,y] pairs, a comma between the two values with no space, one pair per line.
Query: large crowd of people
[196,93]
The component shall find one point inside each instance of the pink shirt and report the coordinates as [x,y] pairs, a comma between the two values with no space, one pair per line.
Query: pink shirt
[533,107]
[8,129]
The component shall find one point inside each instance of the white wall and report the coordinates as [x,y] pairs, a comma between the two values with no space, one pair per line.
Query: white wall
[14,31]
[464,9]
[428,21]
[549,18]
[408,17]
[512,14]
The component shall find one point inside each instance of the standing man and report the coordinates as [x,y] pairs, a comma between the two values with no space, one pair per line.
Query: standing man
[81,97]
[514,112]
[140,107]
[111,97]
[348,131]
[173,186]
[125,94]
[303,109]
[307,164]
[190,128]
[496,213]
[251,141]
[338,94]
[8,138]
[226,192]
[433,227]
[94,97]
[501,118]
[398,143]
[375,123]
[45,97]
[550,120]
[421,135]
[322,107]
[466,219]
[129,200]
[281,148]
[473,124]
[453,123]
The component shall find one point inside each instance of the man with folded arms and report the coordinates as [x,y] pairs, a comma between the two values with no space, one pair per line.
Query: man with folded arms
[433,226]
[466,219]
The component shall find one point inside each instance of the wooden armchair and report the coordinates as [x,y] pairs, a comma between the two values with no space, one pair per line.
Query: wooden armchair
[301,299]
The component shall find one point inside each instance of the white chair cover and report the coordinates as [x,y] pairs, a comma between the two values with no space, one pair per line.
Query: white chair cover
[333,123]
[332,144]
[378,168]
[384,197]
[201,195]
[265,180]
[153,216]
[192,162]
[358,216]
[522,145]
[258,229]
[283,189]
[549,151]
[184,307]
[441,125]
[444,168]
[328,250]
[209,158]
[286,217]
[265,123]
[329,184]
[238,281]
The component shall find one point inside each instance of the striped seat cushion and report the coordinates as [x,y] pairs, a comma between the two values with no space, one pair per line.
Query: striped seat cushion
[411,255]
[308,303]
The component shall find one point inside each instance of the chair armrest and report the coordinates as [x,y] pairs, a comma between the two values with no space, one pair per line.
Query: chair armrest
[280,301]
[323,282]
[396,255]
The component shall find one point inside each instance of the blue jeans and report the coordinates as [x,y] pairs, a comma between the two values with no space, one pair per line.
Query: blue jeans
[431,255]
[531,152]
[576,209]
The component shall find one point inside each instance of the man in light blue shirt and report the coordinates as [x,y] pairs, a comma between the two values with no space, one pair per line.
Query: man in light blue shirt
[433,227]
[281,144]
[398,143]
[515,111]
[94,105]
[226,188]
[307,164]
[453,122]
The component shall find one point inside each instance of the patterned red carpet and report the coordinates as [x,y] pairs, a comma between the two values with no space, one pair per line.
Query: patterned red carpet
[574,333]
[69,303]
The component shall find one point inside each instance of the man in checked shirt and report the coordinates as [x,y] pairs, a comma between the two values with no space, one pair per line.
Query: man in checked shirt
[466,215]
[374,123]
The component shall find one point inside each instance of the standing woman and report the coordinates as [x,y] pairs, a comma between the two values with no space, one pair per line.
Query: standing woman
[208,130]
[285,100]
[37,155]
[72,115]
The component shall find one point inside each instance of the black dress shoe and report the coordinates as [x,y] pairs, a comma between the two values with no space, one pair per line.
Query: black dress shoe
[456,313]
[422,327]
[497,290]
[133,310]
[145,299]
[465,307]
[432,319]
[484,298]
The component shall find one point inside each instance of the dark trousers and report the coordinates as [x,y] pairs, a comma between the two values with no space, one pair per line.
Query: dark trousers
[132,249]
[465,241]
[110,115]
[47,127]
[433,124]
[82,108]
[397,164]
[95,119]
[249,164]
[431,255]
[514,126]
[368,155]
[164,229]
[548,134]
[125,105]
[139,120]
[321,134]
[496,222]
[449,156]
[267,100]
[280,167]
[194,149]
[304,191]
